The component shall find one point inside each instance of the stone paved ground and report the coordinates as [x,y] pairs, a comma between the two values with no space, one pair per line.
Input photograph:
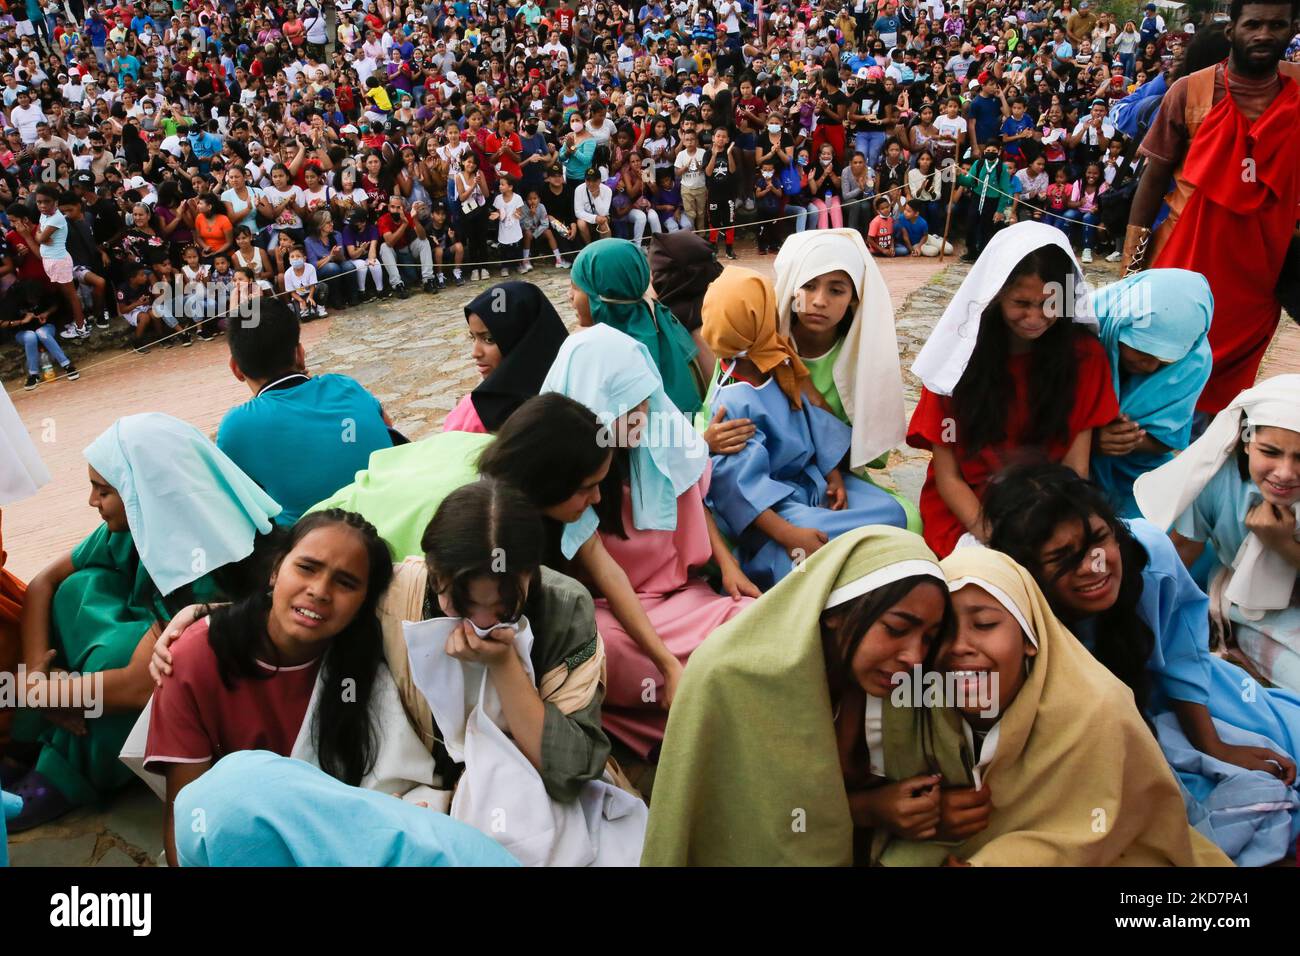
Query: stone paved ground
[413,356]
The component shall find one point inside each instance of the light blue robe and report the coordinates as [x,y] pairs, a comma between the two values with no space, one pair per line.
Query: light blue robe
[255,808]
[1182,668]
[783,467]
[1165,313]
[1218,517]
[10,805]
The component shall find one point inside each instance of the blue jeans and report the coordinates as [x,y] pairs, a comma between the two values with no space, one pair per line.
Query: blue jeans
[31,342]
[1130,64]
[1089,221]
[800,214]
[338,290]
[871,145]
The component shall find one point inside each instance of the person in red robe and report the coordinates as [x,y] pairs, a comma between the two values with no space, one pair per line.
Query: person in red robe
[1013,372]
[1226,135]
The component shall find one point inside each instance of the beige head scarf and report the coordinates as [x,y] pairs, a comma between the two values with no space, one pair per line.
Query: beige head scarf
[867,372]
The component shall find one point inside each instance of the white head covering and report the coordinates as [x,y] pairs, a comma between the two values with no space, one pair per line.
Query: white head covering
[867,372]
[944,357]
[1263,579]
[21,470]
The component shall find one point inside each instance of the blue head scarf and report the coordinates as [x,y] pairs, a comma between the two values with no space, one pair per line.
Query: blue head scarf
[615,274]
[1165,313]
[191,510]
[612,373]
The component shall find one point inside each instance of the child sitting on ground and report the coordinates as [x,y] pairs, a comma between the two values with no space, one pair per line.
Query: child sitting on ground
[880,234]
[300,283]
[143,311]
[783,495]
[536,224]
[913,234]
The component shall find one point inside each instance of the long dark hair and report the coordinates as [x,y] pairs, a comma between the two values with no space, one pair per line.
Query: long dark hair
[341,730]
[488,529]
[1024,506]
[840,638]
[986,391]
[549,446]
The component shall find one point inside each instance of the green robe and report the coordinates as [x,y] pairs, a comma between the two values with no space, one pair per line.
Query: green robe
[402,487]
[98,616]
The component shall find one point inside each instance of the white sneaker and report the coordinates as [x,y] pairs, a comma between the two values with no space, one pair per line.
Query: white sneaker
[505,272]
[526,267]
[84,331]
[70,333]
[561,263]
[1115,256]
[1087,256]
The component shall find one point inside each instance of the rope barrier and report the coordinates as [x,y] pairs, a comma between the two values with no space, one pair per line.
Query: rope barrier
[200,322]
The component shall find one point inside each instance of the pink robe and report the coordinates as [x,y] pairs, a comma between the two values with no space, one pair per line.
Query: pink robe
[682,607]
[464,418]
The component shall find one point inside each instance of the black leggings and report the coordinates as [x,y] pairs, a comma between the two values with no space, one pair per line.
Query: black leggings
[722,215]
[474,227]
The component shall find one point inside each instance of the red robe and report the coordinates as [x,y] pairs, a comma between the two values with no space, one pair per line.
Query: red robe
[1094,405]
[1235,230]
[11,606]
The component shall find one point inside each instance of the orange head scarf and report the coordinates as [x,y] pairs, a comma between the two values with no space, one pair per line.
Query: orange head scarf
[739,316]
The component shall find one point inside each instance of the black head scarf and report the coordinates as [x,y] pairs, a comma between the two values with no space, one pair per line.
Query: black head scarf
[682,265]
[529,332]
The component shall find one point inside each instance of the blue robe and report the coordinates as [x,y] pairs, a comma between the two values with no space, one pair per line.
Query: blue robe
[255,808]
[1182,668]
[783,467]
[10,804]
[1165,313]
[1269,639]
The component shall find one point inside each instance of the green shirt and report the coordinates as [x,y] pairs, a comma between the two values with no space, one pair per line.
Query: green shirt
[822,370]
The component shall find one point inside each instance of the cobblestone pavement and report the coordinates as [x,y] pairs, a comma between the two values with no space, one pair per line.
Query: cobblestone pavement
[412,354]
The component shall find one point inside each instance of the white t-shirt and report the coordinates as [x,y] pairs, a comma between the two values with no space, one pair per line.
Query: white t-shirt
[293,281]
[950,127]
[259,173]
[690,168]
[452,155]
[25,120]
[509,229]
[289,218]
[314,199]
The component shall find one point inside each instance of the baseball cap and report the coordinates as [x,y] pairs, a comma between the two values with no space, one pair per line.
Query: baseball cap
[349,129]
[84,178]
[862,73]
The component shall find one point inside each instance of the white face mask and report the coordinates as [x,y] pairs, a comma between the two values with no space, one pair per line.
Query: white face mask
[296,261]
[774,127]
[767,174]
[576,127]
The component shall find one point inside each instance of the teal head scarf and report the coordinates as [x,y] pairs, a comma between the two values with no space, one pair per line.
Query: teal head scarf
[612,373]
[189,507]
[1165,313]
[615,275]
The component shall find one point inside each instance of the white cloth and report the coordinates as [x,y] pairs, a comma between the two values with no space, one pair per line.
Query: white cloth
[403,764]
[501,793]
[21,470]
[945,354]
[1262,579]
[867,372]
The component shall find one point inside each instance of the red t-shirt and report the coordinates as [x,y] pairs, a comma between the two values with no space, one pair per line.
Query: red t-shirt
[388,224]
[492,142]
[30,266]
[933,424]
[564,18]
[195,718]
